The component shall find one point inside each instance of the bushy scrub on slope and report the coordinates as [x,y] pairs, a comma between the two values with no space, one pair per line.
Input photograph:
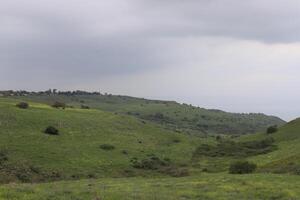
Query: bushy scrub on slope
[23,105]
[242,167]
[50,130]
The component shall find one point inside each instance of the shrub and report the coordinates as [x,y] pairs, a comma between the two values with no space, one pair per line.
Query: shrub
[176,140]
[23,105]
[152,162]
[158,116]
[85,107]
[51,130]
[107,147]
[125,152]
[242,167]
[230,148]
[3,157]
[59,105]
[91,175]
[280,167]
[175,171]
[272,129]
[204,170]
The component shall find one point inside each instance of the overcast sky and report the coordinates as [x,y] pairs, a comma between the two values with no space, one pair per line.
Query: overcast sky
[239,56]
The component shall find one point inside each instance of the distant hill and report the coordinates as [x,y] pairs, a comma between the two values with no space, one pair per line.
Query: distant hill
[173,115]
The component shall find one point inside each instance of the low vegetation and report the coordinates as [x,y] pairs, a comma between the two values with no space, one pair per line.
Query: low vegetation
[3,157]
[84,107]
[51,130]
[242,167]
[230,148]
[23,105]
[59,105]
[272,129]
[151,162]
[107,147]
[205,186]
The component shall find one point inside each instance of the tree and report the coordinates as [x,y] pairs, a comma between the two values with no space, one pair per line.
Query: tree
[23,105]
[51,130]
[59,105]
[272,129]
[242,167]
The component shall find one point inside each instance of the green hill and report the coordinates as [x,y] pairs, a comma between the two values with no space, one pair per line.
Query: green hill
[174,116]
[286,159]
[278,152]
[80,150]
[107,153]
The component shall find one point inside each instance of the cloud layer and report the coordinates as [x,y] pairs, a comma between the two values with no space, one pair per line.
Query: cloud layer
[235,55]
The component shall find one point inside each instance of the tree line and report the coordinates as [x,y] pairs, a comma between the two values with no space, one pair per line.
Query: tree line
[47,92]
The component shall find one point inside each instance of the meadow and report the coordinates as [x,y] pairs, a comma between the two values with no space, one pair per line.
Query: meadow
[205,186]
[104,152]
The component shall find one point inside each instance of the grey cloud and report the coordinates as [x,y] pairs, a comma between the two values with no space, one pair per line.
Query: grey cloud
[63,50]
[91,44]
[261,20]
[123,37]
[89,39]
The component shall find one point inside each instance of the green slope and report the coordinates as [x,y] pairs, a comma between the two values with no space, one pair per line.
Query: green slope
[172,115]
[278,152]
[76,153]
[286,159]
[29,155]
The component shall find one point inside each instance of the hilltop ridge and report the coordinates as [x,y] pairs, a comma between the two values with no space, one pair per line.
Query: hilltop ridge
[172,115]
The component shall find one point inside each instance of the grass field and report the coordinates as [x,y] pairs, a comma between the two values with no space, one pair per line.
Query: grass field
[205,186]
[76,152]
[72,165]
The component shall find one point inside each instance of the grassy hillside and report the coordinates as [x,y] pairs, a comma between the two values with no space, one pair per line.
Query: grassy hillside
[175,116]
[110,154]
[286,159]
[278,152]
[77,153]
[28,154]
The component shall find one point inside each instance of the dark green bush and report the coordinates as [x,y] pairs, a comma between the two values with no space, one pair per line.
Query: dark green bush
[158,116]
[107,147]
[175,171]
[51,130]
[59,105]
[218,138]
[85,107]
[282,168]
[3,157]
[272,129]
[176,140]
[152,162]
[23,105]
[236,149]
[242,167]
[125,152]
